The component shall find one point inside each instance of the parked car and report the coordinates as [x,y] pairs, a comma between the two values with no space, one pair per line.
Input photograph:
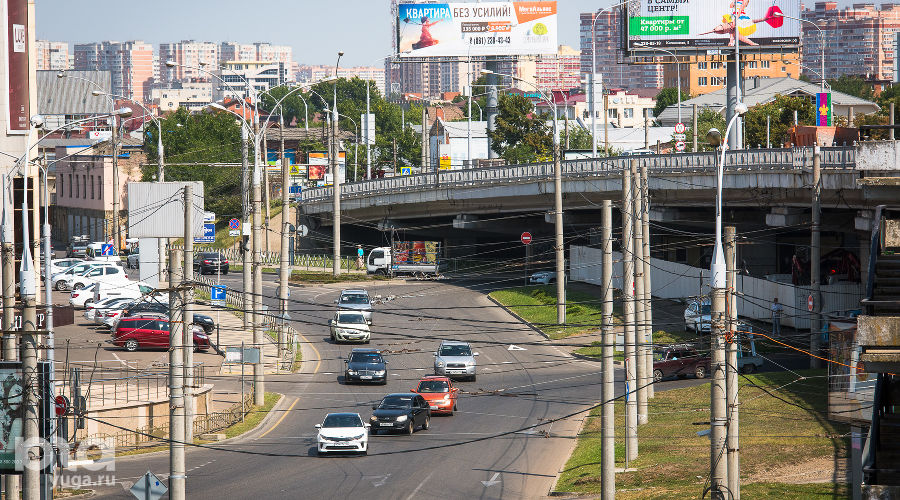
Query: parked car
[133,260]
[349,326]
[131,289]
[440,393]
[107,272]
[139,332]
[680,361]
[156,306]
[60,265]
[356,300]
[77,247]
[365,365]
[58,280]
[400,412]
[542,278]
[82,297]
[95,252]
[91,311]
[210,263]
[455,359]
[697,316]
[342,432]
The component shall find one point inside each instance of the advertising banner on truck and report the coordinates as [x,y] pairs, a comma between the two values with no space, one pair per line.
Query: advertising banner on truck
[415,252]
[476,29]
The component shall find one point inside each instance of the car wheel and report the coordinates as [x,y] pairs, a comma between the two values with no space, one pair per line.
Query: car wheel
[657,375]
[687,326]
[131,345]
[224,272]
[77,286]
[88,302]
[410,428]
[61,286]
[384,382]
[749,368]
[700,372]
[473,378]
[427,423]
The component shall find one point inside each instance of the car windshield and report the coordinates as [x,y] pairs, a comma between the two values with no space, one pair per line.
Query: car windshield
[704,309]
[354,299]
[366,357]
[396,402]
[342,421]
[434,386]
[351,319]
[659,355]
[79,268]
[455,350]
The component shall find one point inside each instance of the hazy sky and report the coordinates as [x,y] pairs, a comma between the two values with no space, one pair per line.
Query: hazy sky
[316,29]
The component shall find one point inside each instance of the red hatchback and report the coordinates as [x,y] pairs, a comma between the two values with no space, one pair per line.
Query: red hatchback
[147,332]
[440,393]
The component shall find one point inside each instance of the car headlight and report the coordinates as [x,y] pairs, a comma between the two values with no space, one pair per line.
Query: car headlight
[445,398]
[439,364]
[373,418]
[379,372]
[359,437]
[351,372]
[401,418]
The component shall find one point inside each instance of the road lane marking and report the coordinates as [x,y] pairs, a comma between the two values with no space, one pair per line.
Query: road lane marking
[318,355]
[492,481]
[283,416]
[419,487]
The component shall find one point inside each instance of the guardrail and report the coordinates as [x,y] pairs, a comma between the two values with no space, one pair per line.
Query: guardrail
[102,386]
[741,160]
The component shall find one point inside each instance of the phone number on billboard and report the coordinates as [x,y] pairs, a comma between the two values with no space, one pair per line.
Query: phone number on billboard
[490,40]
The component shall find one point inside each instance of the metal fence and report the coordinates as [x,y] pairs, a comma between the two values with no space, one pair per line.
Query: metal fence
[311,262]
[842,158]
[110,386]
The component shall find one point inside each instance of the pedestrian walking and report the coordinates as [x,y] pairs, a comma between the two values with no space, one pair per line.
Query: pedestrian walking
[359,257]
[777,310]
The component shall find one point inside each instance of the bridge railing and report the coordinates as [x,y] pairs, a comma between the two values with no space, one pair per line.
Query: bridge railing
[840,157]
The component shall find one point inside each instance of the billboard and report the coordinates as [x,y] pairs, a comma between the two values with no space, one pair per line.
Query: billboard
[476,29]
[710,24]
[17,71]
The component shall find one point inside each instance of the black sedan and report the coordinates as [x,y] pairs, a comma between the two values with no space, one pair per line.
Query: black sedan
[365,365]
[210,263]
[402,412]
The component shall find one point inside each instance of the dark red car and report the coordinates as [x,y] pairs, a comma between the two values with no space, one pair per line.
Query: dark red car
[153,333]
[679,361]
[440,393]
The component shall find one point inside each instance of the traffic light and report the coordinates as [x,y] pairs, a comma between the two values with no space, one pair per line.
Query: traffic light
[245,243]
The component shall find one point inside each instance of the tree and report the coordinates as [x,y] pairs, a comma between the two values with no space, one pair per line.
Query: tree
[519,137]
[706,119]
[192,143]
[781,113]
[580,138]
[667,97]
[853,85]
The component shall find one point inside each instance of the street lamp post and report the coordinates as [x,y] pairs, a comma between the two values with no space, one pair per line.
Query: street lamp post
[822,44]
[594,72]
[677,74]
[558,206]
[336,176]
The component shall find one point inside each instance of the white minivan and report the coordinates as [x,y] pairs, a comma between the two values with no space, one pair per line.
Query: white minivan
[109,289]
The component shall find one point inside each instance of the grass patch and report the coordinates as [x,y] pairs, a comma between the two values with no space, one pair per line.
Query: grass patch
[327,277]
[255,415]
[595,350]
[537,305]
[674,462]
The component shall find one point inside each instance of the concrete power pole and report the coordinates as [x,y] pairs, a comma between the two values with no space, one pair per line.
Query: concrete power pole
[648,297]
[336,191]
[731,365]
[256,299]
[177,469]
[718,396]
[694,128]
[188,315]
[607,416]
[246,258]
[284,263]
[12,483]
[815,262]
[424,139]
[115,180]
[31,475]
[631,408]
[560,242]
[640,344]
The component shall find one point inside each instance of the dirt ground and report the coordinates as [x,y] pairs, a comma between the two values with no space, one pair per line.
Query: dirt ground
[818,470]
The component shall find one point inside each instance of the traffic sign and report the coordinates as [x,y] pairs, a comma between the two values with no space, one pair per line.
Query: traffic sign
[526,238]
[679,137]
[148,487]
[679,146]
[234,232]
[810,303]
[61,405]
[302,230]
[294,170]
[217,295]
[209,233]
[679,128]
[234,224]
[107,250]
[405,170]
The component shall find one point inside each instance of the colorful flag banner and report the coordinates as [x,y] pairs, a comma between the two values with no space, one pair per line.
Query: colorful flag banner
[823,109]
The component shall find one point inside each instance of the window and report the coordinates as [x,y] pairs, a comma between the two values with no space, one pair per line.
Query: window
[701,65]
[715,65]
[783,69]
[752,65]
[92,187]
[84,183]
[701,81]
[628,112]
[62,185]
[612,113]
[765,65]
[99,188]
[77,187]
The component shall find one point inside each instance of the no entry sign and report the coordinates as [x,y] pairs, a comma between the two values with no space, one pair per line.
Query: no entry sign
[526,238]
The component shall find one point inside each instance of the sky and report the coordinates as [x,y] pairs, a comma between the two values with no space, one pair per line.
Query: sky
[316,29]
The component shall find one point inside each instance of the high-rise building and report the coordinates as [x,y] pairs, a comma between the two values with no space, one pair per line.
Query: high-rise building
[704,74]
[559,72]
[52,55]
[260,75]
[233,51]
[130,63]
[264,52]
[274,53]
[308,74]
[858,40]
[612,61]
[188,55]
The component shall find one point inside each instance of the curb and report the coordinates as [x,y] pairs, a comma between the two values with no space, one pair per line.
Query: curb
[523,320]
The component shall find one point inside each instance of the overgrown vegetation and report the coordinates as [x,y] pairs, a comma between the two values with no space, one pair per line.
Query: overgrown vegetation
[537,305]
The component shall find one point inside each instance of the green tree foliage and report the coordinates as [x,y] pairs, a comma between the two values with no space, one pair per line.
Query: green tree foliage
[667,97]
[706,119]
[781,110]
[520,137]
[192,142]
[853,85]
[295,106]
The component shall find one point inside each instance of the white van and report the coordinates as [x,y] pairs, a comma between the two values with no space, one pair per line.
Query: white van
[109,289]
[94,252]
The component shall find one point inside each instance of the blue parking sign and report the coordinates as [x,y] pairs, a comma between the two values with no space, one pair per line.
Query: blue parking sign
[209,233]
[217,295]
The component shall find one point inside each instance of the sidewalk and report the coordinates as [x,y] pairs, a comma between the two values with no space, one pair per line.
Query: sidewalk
[231,334]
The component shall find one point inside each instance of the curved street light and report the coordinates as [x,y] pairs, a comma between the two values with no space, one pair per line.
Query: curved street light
[822,44]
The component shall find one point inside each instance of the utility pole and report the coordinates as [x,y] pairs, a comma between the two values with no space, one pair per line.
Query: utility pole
[892,135]
[12,484]
[256,299]
[560,243]
[648,296]
[368,131]
[246,260]
[31,475]
[646,129]
[161,177]
[718,396]
[640,344]
[188,316]
[731,365]
[694,128]
[177,468]
[336,189]
[424,138]
[607,394]
[284,268]
[815,263]
[606,121]
[115,180]
[631,407]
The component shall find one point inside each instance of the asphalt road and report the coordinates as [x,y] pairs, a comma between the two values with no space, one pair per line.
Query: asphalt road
[488,449]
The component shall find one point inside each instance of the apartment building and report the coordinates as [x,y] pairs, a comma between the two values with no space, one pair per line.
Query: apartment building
[612,61]
[704,74]
[858,40]
[130,64]
[190,95]
[307,73]
[559,72]
[260,75]
[52,56]
[188,55]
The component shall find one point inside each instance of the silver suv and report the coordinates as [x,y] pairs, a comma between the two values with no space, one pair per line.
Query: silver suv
[356,300]
[455,359]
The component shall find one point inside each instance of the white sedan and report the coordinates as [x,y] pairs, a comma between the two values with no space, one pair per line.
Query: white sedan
[697,316]
[342,432]
[94,311]
[82,297]
[106,272]
[61,265]
[542,278]
[349,326]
